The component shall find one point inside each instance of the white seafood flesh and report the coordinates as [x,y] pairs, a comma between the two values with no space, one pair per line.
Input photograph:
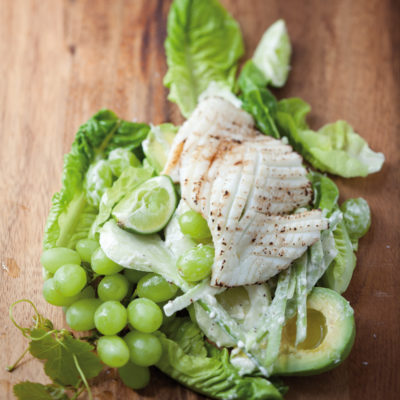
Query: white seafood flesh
[244,184]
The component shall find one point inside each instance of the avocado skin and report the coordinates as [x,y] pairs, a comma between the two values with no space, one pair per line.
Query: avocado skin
[305,363]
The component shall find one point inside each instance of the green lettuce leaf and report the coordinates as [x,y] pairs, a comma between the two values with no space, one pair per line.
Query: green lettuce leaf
[336,271]
[297,110]
[204,44]
[71,215]
[129,135]
[356,217]
[205,369]
[261,104]
[272,55]
[340,271]
[251,78]
[142,252]
[257,100]
[98,179]
[335,148]
[326,193]
[157,145]
[342,151]
[121,158]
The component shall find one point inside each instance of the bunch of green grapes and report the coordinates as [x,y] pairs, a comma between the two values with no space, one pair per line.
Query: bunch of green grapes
[123,305]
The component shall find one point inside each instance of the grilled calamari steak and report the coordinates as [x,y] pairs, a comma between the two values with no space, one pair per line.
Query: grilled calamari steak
[244,184]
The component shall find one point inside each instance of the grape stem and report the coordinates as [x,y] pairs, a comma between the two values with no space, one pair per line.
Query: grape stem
[78,393]
[11,368]
[38,317]
[83,377]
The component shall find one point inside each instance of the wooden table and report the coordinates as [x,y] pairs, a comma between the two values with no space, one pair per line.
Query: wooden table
[61,61]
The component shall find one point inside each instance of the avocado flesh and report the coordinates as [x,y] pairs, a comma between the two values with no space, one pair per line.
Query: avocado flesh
[330,336]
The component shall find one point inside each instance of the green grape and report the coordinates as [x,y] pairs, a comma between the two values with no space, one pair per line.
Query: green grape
[70,279]
[133,275]
[85,248]
[195,264]
[102,265]
[156,288]
[80,315]
[194,225]
[133,376]
[144,315]
[113,287]
[356,216]
[54,297]
[54,258]
[110,318]
[145,349]
[113,351]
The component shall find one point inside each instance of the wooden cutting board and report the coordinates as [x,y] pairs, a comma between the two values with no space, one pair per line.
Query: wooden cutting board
[61,61]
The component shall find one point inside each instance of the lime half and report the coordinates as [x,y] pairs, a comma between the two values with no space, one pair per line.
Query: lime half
[149,207]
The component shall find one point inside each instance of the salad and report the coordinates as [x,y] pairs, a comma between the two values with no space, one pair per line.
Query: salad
[216,251]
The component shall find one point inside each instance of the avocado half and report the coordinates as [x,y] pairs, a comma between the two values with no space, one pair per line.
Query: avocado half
[330,336]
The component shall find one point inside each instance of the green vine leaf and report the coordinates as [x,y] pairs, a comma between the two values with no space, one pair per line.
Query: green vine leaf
[36,391]
[59,352]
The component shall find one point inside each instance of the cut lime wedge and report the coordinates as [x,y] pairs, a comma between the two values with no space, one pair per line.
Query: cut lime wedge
[149,207]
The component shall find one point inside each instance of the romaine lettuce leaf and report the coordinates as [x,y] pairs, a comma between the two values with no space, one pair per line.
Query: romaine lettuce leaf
[261,104]
[205,369]
[326,193]
[297,109]
[158,143]
[356,217]
[71,215]
[340,271]
[251,78]
[204,44]
[142,252]
[98,179]
[272,55]
[335,148]
[70,202]
[336,271]
[257,99]
[129,135]
[121,158]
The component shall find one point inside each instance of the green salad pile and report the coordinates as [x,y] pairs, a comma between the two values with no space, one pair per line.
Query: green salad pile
[129,262]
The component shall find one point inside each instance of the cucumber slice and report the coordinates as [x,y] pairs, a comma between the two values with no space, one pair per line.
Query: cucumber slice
[148,208]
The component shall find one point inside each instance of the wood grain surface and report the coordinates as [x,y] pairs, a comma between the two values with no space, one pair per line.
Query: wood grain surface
[61,61]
